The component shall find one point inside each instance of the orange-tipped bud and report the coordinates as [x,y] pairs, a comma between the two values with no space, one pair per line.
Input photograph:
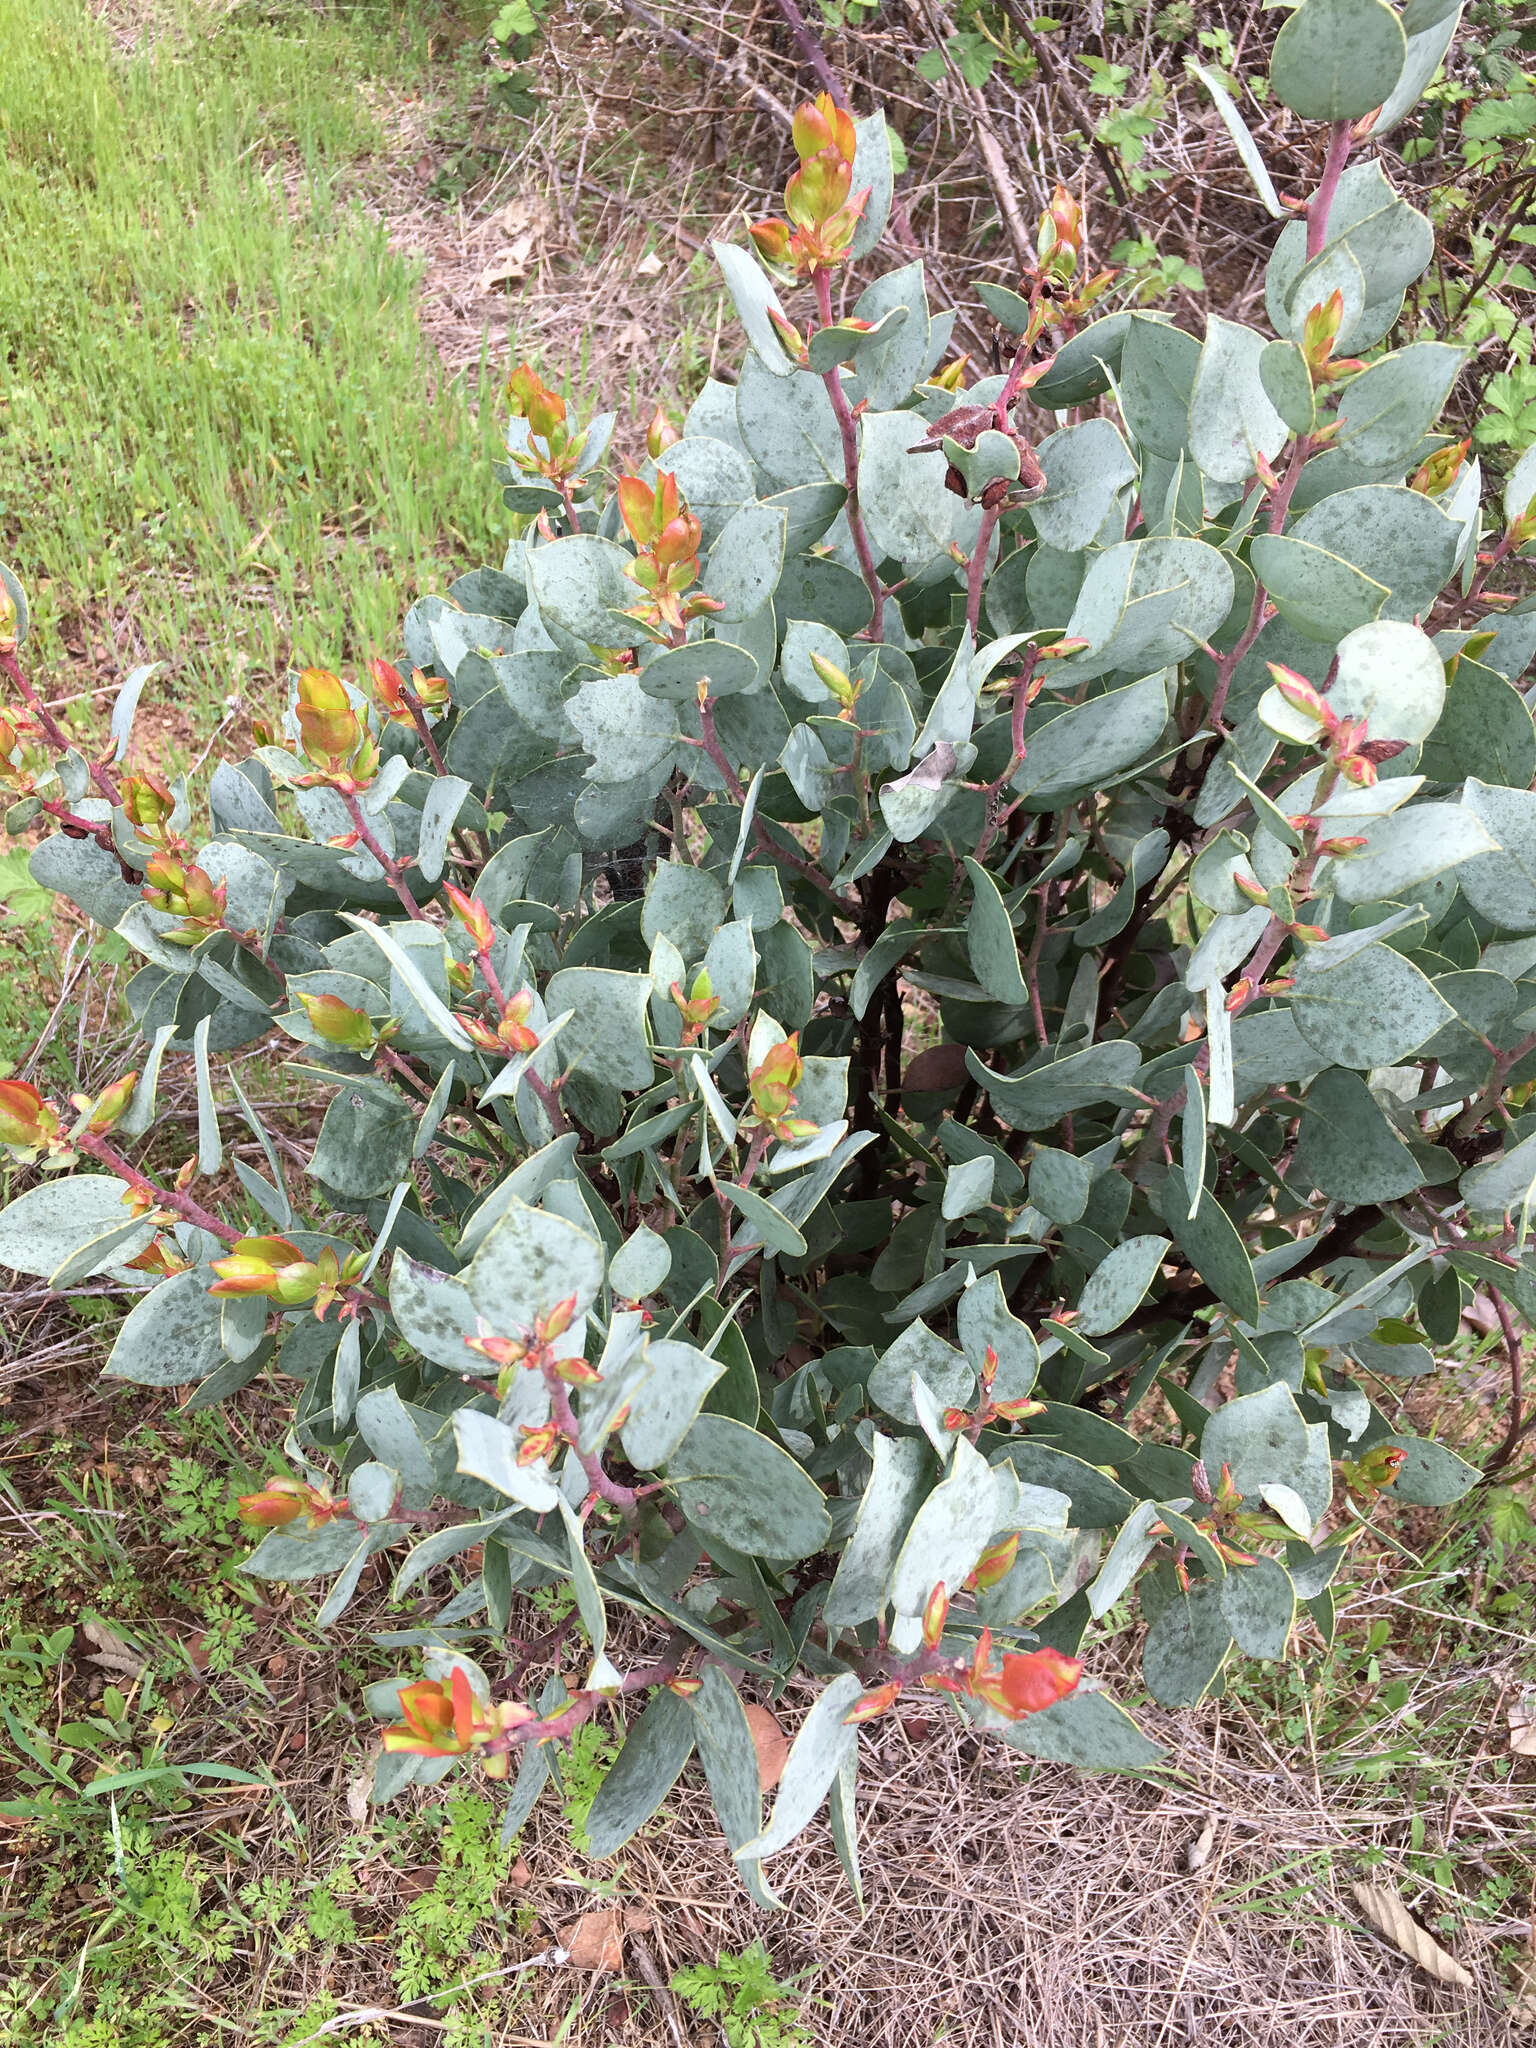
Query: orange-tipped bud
[1018,1409]
[1301,695]
[837,681]
[329,729]
[1441,470]
[483,1036]
[183,891]
[389,689]
[1028,1683]
[276,1268]
[1356,769]
[660,434]
[640,507]
[773,1083]
[789,334]
[1375,1471]
[430,691]
[148,805]
[1241,992]
[1309,934]
[678,544]
[287,1500]
[822,125]
[1340,848]
[935,1614]
[1059,236]
[576,1372]
[538,1444]
[1320,330]
[337,1022]
[988,1368]
[436,1720]
[698,1007]
[818,191]
[873,1704]
[957,1419]
[560,1318]
[772,240]
[994,1564]
[1249,886]
[110,1106]
[514,1033]
[501,1351]
[473,915]
[952,376]
[530,398]
[269,1510]
[26,1121]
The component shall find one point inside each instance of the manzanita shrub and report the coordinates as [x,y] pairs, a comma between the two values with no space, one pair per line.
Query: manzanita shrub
[921,1030]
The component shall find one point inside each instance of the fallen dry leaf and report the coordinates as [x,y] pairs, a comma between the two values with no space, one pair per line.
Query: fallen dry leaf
[508,266]
[111,1652]
[1199,1852]
[649,265]
[771,1744]
[520,1875]
[594,1942]
[1522,1728]
[1385,1911]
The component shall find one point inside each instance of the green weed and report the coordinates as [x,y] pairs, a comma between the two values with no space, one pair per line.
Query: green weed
[743,1997]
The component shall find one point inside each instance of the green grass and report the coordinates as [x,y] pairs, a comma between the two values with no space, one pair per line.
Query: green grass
[221,425]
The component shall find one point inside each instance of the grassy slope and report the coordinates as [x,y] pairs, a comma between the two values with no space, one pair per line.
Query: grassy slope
[222,436]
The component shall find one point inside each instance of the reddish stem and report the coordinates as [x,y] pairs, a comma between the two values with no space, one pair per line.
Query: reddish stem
[976,568]
[848,430]
[992,791]
[52,730]
[1280,505]
[586,1704]
[610,1490]
[716,752]
[393,870]
[547,1095]
[1328,185]
[1519,1424]
[396,1065]
[761,837]
[72,822]
[163,1198]
[423,730]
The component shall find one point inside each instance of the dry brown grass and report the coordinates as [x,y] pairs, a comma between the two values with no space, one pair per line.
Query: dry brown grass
[1006,1902]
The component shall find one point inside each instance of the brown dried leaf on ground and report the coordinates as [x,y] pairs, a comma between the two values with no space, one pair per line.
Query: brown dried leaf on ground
[1385,1911]
[595,1941]
[1522,1728]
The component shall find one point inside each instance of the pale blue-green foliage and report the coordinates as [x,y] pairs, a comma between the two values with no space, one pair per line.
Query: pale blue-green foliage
[1230,1041]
